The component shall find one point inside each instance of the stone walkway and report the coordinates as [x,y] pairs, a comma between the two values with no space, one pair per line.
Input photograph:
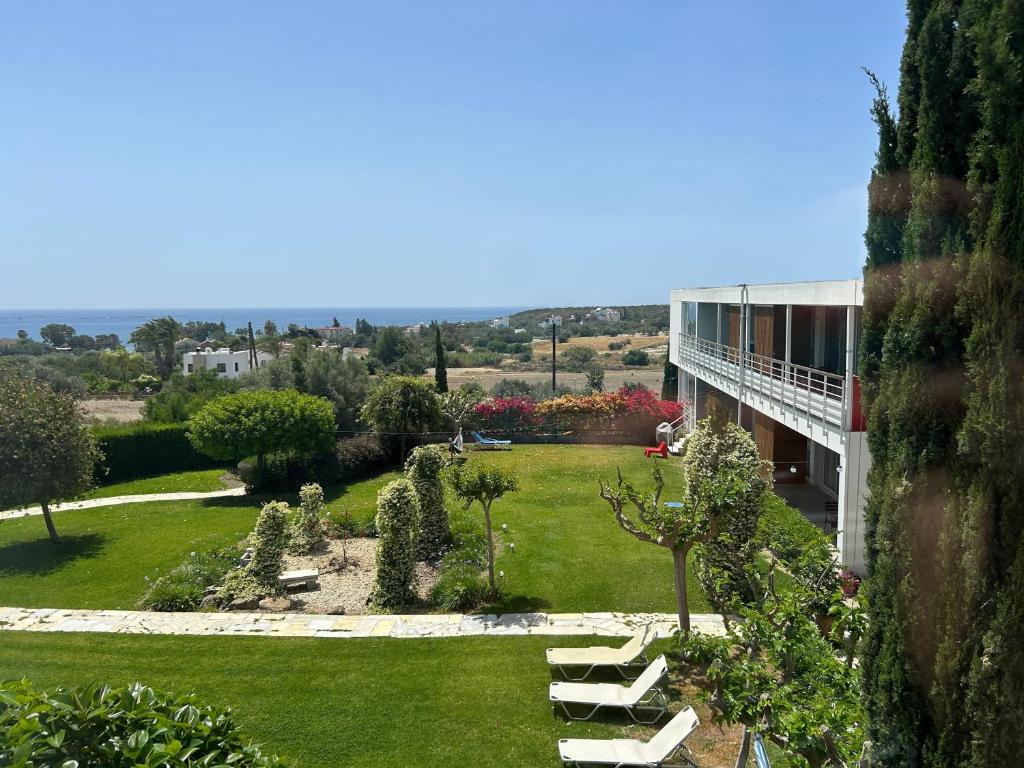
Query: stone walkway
[110,501]
[309,625]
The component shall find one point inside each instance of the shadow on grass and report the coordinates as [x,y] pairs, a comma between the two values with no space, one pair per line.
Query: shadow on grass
[42,556]
[517,604]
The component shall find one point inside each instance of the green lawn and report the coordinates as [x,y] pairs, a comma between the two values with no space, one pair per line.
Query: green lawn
[446,702]
[569,553]
[199,481]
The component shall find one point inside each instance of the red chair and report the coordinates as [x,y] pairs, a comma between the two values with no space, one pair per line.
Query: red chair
[661,450]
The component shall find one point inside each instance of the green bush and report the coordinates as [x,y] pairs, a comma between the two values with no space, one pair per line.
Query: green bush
[307,532]
[143,450]
[118,728]
[268,541]
[359,457]
[459,588]
[397,511]
[423,468]
[635,357]
[183,587]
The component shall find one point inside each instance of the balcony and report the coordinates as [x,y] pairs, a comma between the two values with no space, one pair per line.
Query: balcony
[801,391]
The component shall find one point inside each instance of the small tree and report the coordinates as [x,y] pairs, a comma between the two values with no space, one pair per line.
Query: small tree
[402,406]
[47,451]
[423,469]
[484,485]
[678,529]
[308,529]
[457,404]
[397,510]
[258,422]
[440,363]
[269,539]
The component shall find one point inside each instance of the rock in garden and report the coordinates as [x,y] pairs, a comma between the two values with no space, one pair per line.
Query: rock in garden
[244,604]
[275,604]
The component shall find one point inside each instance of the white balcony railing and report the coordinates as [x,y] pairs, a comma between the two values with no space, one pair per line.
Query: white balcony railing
[817,394]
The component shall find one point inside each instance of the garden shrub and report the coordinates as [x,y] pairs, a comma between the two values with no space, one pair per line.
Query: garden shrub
[143,450]
[459,588]
[268,541]
[281,472]
[397,510]
[359,457]
[307,532]
[184,586]
[636,357]
[423,468]
[118,727]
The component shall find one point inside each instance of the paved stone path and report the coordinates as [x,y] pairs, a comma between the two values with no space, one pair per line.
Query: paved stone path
[114,500]
[310,625]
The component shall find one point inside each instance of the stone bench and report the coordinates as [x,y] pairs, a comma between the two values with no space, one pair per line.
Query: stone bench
[309,578]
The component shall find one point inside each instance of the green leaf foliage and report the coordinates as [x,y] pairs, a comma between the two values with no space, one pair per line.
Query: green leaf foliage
[423,468]
[47,452]
[125,727]
[263,421]
[941,363]
[307,532]
[144,449]
[268,540]
[397,511]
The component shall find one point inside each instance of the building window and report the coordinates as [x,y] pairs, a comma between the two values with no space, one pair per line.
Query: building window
[190,367]
[690,318]
[236,367]
[222,368]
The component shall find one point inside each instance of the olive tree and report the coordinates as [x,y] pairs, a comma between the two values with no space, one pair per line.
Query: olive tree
[484,485]
[696,519]
[47,451]
[258,422]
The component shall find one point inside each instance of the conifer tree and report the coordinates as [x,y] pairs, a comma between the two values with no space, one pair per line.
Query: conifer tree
[440,363]
[941,360]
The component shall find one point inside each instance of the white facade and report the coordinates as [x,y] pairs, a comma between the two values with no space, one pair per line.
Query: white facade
[782,358]
[499,322]
[607,314]
[224,362]
[555,320]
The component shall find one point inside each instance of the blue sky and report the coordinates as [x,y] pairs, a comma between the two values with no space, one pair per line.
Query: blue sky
[428,154]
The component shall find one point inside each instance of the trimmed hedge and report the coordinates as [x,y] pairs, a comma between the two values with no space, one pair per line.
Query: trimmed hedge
[144,450]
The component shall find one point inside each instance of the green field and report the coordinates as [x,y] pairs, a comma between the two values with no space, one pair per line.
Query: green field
[569,553]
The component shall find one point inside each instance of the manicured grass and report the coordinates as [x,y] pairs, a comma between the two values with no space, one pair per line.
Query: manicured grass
[446,702]
[198,481]
[569,556]
[105,553]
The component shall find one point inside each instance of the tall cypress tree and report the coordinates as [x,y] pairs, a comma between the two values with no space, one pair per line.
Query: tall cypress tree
[942,359]
[440,362]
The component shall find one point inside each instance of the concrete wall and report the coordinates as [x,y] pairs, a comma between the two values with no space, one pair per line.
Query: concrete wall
[235,363]
[853,494]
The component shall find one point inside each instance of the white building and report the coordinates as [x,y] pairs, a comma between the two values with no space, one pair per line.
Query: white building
[555,320]
[226,363]
[333,332]
[782,360]
[500,322]
[607,314]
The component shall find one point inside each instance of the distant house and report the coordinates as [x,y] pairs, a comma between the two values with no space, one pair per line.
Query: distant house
[554,320]
[333,332]
[8,342]
[186,345]
[606,314]
[226,364]
[418,328]
[500,322]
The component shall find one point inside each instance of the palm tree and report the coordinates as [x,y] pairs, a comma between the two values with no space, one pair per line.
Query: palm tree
[160,335]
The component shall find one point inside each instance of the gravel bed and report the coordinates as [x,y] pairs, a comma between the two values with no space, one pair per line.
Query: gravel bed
[345,584]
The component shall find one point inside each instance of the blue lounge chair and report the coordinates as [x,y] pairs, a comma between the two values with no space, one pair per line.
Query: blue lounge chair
[490,442]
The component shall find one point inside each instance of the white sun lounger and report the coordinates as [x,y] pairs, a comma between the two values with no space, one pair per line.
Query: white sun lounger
[632,752]
[643,696]
[631,654]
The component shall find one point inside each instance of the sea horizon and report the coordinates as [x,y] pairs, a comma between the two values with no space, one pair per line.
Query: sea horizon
[123,321]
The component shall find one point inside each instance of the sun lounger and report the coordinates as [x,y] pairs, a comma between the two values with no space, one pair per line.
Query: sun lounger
[490,442]
[631,654]
[643,700]
[633,752]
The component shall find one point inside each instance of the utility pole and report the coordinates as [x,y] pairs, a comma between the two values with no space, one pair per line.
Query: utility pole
[554,338]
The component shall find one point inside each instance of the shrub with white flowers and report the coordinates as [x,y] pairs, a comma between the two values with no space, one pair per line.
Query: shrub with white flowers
[307,532]
[259,576]
[397,510]
[433,532]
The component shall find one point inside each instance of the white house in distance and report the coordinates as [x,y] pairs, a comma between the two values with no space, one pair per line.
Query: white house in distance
[555,320]
[226,363]
[500,322]
[782,360]
[607,314]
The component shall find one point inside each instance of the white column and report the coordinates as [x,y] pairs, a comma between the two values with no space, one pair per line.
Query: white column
[851,340]
[789,333]
[718,324]
[854,462]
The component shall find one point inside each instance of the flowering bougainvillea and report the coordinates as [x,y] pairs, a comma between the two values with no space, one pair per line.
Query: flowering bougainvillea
[627,411]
